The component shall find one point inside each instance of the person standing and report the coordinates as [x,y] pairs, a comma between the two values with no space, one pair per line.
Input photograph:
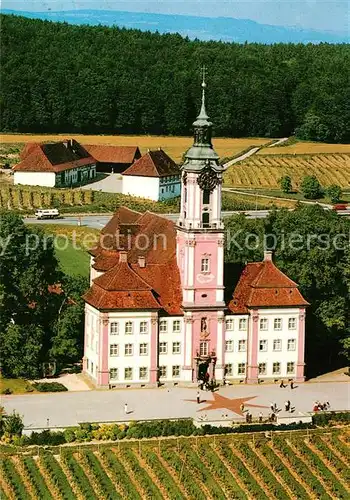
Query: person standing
[289,406]
[260,418]
[286,406]
[126,408]
[282,386]
[292,384]
[242,407]
[198,397]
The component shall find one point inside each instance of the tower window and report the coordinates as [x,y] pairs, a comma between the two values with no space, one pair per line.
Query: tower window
[205,265]
[206,197]
[205,219]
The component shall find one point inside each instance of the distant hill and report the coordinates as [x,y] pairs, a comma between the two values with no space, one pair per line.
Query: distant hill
[226,29]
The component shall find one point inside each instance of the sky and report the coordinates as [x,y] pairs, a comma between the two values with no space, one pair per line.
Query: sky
[324,15]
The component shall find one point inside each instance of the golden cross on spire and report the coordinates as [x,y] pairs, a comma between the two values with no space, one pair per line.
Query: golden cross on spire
[204,69]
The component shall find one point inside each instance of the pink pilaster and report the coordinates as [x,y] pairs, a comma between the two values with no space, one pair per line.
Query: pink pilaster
[103,371]
[154,343]
[252,368]
[301,347]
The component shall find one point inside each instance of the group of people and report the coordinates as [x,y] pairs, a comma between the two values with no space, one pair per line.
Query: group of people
[283,385]
[321,406]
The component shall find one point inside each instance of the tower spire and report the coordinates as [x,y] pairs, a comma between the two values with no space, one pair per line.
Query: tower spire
[203,114]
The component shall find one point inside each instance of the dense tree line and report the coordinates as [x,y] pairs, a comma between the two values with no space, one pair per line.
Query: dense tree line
[41,309]
[93,79]
[312,247]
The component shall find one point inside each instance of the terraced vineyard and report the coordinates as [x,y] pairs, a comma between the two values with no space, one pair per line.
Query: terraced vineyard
[265,171]
[290,465]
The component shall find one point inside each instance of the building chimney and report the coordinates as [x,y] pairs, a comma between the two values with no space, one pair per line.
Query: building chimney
[268,255]
[123,256]
[142,261]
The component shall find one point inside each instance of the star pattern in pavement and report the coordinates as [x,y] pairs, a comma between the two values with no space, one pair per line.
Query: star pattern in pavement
[221,403]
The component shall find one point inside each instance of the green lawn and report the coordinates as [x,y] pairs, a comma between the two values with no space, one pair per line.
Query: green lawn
[16,385]
[73,261]
[293,196]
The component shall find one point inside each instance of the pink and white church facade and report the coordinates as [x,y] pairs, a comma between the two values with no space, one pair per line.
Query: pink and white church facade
[156,311]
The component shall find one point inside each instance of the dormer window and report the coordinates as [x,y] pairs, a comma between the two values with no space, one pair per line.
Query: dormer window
[205,265]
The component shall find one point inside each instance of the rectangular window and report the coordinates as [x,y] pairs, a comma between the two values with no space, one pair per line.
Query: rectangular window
[92,367]
[176,371]
[162,372]
[292,323]
[242,345]
[241,369]
[291,345]
[229,370]
[243,324]
[163,347]
[264,324]
[204,349]
[229,346]
[262,345]
[128,328]
[206,197]
[143,327]
[128,349]
[176,347]
[276,368]
[277,345]
[262,368]
[229,324]
[128,373]
[176,326]
[143,373]
[114,350]
[290,367]
[113,374]
[277,324]
[143,349]
[114,328]
[163,326]
[205,268]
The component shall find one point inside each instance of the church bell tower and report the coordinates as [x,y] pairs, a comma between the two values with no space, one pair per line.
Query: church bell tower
[200,250]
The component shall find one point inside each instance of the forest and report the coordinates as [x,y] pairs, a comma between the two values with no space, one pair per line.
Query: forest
[60,78]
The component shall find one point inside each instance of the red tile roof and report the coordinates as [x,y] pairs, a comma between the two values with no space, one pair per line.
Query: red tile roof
[113,154]
[262,284]
[54,157]
[153,164]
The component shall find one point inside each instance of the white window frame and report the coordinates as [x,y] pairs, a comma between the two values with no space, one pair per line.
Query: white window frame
[176,345]
[274,372]
[264,324]
[242,342]
[163,323]
[143,327]
[163,347]
[279,342]
[177,375]
[241,368]
[264,343]
[289,371]
[292,321]
[277,324]
[128,347]
[143,350]
[204,348]
[145,375]
[205,265]
[163,371]
[229,370]
[113,370]
[260,371]
[176,326]
[129,326]
[242,324]
[129,368]
[229,324]
[114,328]
[228,345]
[114,350]
[294,347]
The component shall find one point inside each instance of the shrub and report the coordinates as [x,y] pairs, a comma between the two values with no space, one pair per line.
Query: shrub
[286,184]
[311,188]
[49,387]
[334,193]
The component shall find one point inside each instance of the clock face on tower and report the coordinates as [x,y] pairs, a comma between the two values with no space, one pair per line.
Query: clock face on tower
[207,179]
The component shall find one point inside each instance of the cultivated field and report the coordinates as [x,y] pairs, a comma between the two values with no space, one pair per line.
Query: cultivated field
[174,146]
[291,465]
[300,148]
[265,171]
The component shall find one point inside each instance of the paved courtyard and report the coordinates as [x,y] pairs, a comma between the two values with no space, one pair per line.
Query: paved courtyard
[70,408]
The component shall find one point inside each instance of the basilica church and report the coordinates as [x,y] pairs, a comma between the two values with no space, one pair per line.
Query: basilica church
[156,312]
